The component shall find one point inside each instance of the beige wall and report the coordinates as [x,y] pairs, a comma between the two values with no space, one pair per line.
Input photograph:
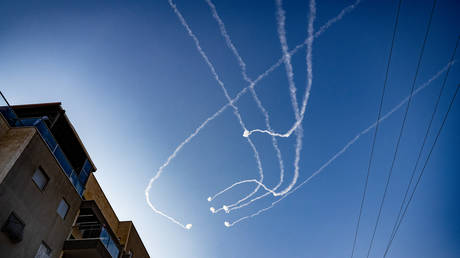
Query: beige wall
[94,192]
[125,230]
[4,127]
[133,241]
[36,208]
[12,144]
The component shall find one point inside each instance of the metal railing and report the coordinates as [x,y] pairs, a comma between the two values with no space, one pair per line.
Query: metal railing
[108,242]
[97,231]
[77,180]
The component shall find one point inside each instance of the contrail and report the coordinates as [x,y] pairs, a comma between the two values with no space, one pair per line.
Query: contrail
[228,208]
[351,142]
[308,41]
[290,75]
[384,117]
[235,111]
[234,100]
[299,130]
[228,41]
[273,67]
[289,71]
[242,65]
[281,18]
[337,18]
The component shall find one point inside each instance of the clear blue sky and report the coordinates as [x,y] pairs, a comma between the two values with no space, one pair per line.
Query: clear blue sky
[135,87]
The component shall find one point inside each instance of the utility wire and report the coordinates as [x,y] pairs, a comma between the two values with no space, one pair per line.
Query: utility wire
[402,129]
[423,144]
[377,126]
[423,170]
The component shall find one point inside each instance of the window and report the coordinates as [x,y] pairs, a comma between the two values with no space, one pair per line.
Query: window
[43,251]
[14,228]
[62,208]
[40,178]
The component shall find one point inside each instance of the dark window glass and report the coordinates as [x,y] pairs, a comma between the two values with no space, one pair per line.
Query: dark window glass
[14,228]
[43,251]
[40,178]
[62,208]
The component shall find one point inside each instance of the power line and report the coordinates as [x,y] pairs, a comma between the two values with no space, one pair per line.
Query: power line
[402,129]
[423,170]
[377,126]
[423,144]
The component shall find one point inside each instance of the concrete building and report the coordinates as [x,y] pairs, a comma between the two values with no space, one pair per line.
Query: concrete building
[97,218]
[48,192]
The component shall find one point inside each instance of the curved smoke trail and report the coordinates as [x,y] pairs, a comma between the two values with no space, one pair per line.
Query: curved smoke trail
[348,145]
[225,106]
[242,65]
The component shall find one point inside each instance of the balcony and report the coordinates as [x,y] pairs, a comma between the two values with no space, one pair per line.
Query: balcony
[85,248]
[79,179]
[91,235]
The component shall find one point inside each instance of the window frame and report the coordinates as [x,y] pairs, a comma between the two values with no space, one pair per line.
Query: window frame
[68,208]
[4,227]
[46,246]
[46,176]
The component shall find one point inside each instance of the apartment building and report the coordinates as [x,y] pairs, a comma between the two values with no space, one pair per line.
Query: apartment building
[97,220]
[48,193]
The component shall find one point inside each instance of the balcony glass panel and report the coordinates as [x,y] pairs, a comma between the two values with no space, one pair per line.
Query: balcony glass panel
[60,156]
[109,243]
[9,116]
[85,171]
[46,134]
[77,181]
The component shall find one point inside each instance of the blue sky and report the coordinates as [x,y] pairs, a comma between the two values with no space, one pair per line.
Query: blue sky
[134,86]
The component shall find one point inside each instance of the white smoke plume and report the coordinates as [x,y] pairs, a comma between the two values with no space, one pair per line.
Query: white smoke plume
[235,111]
[242,65]
[225,106]
[348,145]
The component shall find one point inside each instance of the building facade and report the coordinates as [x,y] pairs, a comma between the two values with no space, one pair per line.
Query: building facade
[97,218]
[48,193]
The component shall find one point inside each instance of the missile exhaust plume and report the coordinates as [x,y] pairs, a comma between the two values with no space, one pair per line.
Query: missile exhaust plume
[348,145]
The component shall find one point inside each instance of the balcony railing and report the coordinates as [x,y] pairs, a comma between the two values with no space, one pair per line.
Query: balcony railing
[109,243]
[91,224]
[92,232]
[77,180]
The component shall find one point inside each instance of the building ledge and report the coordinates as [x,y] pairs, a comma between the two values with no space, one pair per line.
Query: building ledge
[88,248]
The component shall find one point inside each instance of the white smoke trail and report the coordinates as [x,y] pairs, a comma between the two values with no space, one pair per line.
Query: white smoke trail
[225,106]
[235,111]
[299,130]
[290,75]
[350,143]
[321,30]
[170,158]
[242,65]
[227,207]
[261,76]
[307,42]
[292,88]
[337,18]
[281,18]
[228,41]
